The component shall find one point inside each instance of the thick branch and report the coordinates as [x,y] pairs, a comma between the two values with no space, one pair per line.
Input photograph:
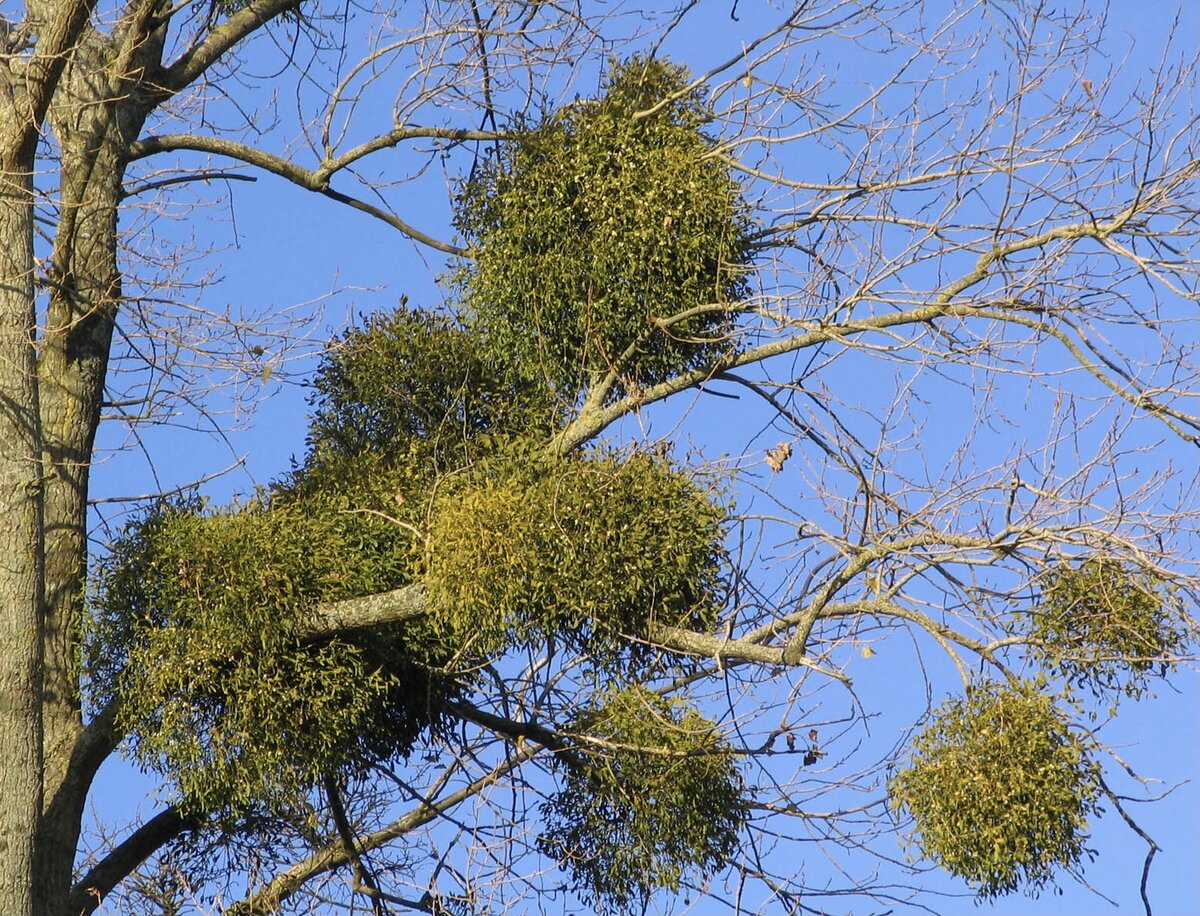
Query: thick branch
[369,611]
[590,424]
[197,59]
[704,645]
[408,603]
[52,52]
[96,742]
[87,894]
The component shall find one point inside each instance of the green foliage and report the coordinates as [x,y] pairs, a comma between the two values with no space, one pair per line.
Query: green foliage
[999,788]
[587,551]
[593,227]
[201,619]
[427,458]
[200,630]
[651,792]
[416,390]
[1105,628]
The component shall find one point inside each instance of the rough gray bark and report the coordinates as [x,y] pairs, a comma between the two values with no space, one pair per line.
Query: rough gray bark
[92,91]
[95,115]
[20,547]
[27,84]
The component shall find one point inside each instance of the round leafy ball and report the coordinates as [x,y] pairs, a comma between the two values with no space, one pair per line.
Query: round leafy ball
[999,788]
[1103,627]
[590,551]
[200,631]
[416,388]
[650,792]
[611,238]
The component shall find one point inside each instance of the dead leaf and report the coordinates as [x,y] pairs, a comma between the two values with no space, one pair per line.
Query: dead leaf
[778,455]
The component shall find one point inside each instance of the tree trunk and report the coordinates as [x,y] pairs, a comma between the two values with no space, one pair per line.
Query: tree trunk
[27,84]
[95,90]
[95,118]
[21,487]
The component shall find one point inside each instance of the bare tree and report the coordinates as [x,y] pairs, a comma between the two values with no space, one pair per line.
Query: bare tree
[966,345]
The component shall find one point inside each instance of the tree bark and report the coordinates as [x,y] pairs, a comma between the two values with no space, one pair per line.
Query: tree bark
[27,86]
[21,556]
[95,91]
[95,115]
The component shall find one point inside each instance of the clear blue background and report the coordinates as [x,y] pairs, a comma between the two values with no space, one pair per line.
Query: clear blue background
[287,247]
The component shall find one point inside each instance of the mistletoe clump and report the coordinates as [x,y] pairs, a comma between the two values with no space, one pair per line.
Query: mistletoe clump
[589,551]
[1105,628]
[999,789]
[650,792]
[414,390]
[200,629]
[609,239]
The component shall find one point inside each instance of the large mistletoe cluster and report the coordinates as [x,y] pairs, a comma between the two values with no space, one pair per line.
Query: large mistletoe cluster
[605,239]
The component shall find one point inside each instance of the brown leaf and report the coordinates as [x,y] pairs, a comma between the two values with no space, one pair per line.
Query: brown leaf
[778,455]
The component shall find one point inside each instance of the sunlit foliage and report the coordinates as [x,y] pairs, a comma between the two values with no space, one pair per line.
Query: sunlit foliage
[416,389]
[649,793]
[1105,628]
[201,616]
[608,238]
[200,632]
[588,550]
[999,788]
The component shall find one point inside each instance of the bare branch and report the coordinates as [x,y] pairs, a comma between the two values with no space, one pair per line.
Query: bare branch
[89,892]
[315,180]
[335,856]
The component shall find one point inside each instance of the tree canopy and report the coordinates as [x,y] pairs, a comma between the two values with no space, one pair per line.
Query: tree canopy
[781,493]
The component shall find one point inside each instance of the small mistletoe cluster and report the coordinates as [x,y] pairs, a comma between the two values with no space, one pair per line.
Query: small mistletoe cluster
[1105,629]
[999,788]
[652,791]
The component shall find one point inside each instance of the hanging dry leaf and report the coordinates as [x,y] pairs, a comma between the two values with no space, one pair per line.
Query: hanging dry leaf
[778,455]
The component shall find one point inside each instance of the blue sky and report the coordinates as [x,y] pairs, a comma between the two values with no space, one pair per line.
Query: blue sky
[280,247]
